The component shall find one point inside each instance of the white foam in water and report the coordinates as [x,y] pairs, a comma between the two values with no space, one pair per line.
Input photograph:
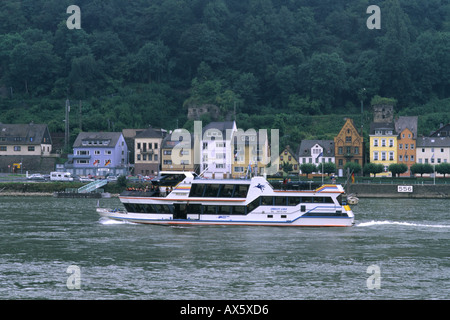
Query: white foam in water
[107,221]
[374,223]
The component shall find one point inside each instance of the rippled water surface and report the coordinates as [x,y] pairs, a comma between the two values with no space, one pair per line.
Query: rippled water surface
[406,240]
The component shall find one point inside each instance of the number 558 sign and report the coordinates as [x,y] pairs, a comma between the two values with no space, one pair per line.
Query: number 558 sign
[404,189]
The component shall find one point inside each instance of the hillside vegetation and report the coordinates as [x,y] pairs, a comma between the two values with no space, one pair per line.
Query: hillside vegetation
[300,66]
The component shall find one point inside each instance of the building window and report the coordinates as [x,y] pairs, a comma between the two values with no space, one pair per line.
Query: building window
[391,156]
[138,145]
[348,139]
[406,146]
[97,152]
[383,156]
[3,148]
[400,158]
[375,142]
[412,146]
[383,142]
[341,162]
[400,146]
[31,148]
[340,150]
[17,148]
[356,150]
[375,155]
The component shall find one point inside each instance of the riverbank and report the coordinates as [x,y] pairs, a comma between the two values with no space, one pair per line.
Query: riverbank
[413,191]
[26,188]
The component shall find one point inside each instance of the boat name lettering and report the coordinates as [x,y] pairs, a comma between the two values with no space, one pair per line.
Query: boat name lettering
[223,217]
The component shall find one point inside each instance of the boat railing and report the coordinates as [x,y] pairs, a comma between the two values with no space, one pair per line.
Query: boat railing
[144,193]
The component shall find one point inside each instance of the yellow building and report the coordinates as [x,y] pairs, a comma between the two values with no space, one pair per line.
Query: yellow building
[288,157]
[383,146]
[251,154]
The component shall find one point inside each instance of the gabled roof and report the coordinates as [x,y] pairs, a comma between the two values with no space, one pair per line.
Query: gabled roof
[151,133]
[31,134]
[304,149]
[433,142]
[381,126]
[167,142]
[443,131]
[406,122]
[112,137]
[223,127]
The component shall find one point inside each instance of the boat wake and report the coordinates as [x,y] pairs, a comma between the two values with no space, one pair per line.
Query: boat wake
[408,224]
[107,221]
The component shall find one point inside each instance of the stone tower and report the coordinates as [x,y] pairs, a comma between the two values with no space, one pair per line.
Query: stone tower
[383,113]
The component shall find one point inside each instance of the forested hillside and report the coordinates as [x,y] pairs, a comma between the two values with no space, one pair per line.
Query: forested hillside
[285,64]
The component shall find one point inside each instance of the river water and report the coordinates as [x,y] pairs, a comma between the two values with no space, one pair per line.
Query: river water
[61,249]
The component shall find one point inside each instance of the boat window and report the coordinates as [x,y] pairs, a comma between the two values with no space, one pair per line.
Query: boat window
[163,208]
[339,199]
[318,199]
[223,210]
[280,201]
[211,190]
[328,200]
[266,201]
[239,210]
[306,199]
[196,190]
[226,191]
[293,201]
[240,191]
[194,208]
[209,209]
[252,205]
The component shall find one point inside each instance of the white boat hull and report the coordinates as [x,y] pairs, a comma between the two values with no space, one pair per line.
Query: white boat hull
[248,220]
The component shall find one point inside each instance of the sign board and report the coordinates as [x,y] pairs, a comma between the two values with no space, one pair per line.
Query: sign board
[404,188]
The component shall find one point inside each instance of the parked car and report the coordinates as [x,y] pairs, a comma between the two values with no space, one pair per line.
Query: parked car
[36,176]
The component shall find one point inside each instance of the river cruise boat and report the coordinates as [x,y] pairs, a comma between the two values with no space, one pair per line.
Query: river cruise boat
[195,201]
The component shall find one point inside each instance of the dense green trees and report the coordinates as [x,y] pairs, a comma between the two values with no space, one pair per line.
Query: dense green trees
[277,61]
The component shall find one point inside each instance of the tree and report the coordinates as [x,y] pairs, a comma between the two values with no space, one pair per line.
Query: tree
[443,168]
[325,76]
[287,167]
[308,168]
[421,168]
[398,168]
[353,167]
[373,168]
[329,167]
[152,60]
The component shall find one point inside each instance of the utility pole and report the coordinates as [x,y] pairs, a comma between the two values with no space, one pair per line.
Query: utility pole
[66,136]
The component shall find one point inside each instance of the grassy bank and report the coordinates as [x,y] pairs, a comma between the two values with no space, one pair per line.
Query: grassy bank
[50,187]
